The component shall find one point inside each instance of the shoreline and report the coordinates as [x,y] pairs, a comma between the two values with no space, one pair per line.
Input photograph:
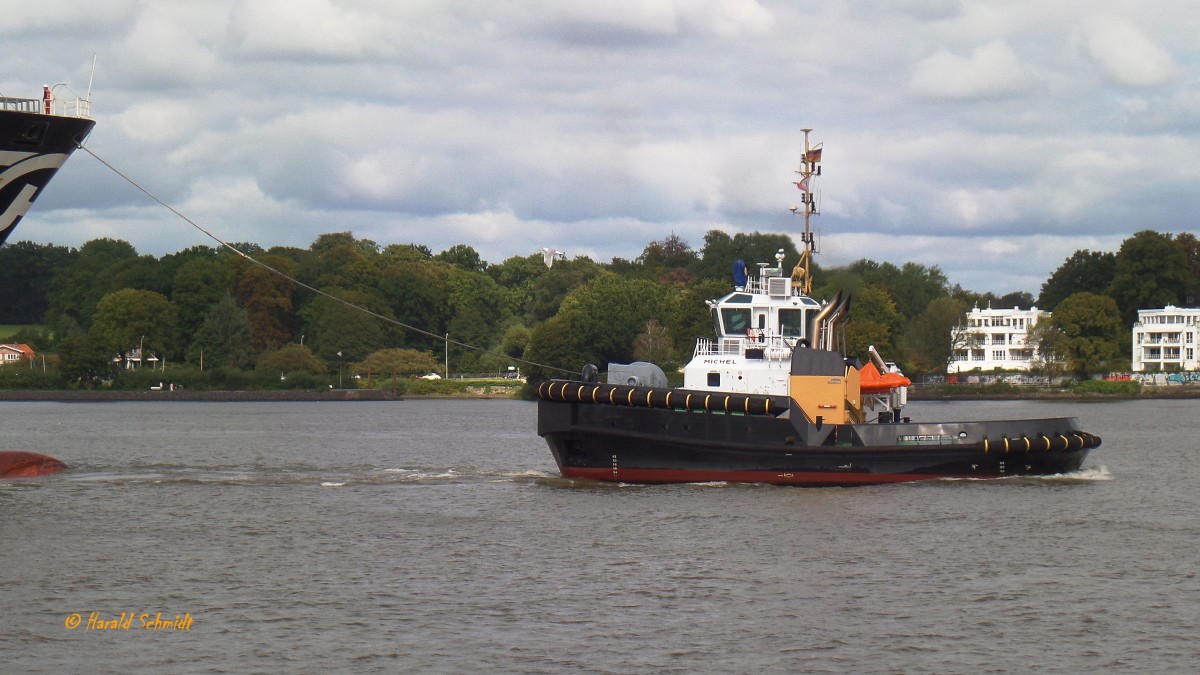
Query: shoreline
[1147,393]
[82,395]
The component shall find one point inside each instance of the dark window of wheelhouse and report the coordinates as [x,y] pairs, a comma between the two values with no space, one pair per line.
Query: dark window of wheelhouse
[714,379]
[736,320]
[791,322]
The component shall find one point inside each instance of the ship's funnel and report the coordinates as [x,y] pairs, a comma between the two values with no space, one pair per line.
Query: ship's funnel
[837,325]
[816,323]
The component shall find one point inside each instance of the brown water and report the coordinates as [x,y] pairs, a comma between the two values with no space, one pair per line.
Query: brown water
[436,536]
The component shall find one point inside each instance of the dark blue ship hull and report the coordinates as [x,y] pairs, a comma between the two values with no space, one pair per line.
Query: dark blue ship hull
[629,434]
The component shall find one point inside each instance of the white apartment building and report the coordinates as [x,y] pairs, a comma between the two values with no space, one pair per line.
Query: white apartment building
[1165,339]
[995,338]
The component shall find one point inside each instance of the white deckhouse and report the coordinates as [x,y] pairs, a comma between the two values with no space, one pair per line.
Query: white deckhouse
[995,338]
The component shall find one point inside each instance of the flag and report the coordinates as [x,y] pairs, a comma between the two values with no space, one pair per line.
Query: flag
[803,184]
[813,156]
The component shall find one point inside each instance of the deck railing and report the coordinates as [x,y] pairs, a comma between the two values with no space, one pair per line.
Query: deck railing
[62,107]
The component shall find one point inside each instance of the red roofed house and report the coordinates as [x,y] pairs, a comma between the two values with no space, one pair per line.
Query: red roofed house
[13,353]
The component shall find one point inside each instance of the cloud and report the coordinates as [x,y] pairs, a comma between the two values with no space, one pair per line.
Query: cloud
[920,10]
[65,17]
[163,49]
[950,127]
[633,22]
[1126,55]
[992,70]
[307,28]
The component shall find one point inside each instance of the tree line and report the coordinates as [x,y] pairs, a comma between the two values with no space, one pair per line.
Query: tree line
[216,312]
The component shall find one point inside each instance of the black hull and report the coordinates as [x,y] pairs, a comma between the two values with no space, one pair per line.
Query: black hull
[32,148]
[626,443]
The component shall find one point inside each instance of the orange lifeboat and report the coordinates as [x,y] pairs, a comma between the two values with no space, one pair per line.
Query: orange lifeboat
[871,381]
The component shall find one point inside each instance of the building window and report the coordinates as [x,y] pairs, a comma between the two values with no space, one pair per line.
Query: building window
[998,355]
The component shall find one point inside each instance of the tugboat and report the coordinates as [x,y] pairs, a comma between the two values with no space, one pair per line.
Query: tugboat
[36,138]
[772,398]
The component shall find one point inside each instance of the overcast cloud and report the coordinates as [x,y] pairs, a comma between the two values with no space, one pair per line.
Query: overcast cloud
[991,139]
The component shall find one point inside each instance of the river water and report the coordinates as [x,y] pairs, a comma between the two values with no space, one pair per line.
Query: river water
[435,536]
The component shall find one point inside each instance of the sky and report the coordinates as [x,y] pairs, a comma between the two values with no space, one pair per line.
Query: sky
[990,138]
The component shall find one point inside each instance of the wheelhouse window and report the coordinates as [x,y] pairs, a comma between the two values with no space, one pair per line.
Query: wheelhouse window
[735,320]
[791,323]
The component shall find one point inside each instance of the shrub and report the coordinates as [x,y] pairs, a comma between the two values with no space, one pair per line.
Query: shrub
[21,376]
[1123,388]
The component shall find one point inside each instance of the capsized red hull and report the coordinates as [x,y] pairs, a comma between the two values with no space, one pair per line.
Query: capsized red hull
[22,464]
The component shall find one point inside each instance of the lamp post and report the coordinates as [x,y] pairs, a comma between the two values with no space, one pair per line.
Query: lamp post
[339,369]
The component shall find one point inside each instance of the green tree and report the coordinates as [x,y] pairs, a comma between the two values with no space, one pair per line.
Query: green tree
[1091,332]
[26,272]
[129,319]
[597,323]
[1083,272]
[654,345]
[267,298]
[290,358]
[554,351]
[417,291]
[558,282]
[476,306]
[83,361]
[1191,248]
[1151,271]
[224,339]
[200,283]
[912,286]
[515,340]
[691,317]
[406,253]
[929,335]
[1050,348]
[720,251]
[464,257]
[516,276]
[667,261]
[76,288]
[339,331]
[339,260]
[142,272]
[874,320]
[383,363]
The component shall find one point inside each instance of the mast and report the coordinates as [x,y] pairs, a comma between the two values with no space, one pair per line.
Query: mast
[810,165]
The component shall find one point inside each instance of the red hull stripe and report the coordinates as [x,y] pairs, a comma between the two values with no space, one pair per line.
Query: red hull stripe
[626,475]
